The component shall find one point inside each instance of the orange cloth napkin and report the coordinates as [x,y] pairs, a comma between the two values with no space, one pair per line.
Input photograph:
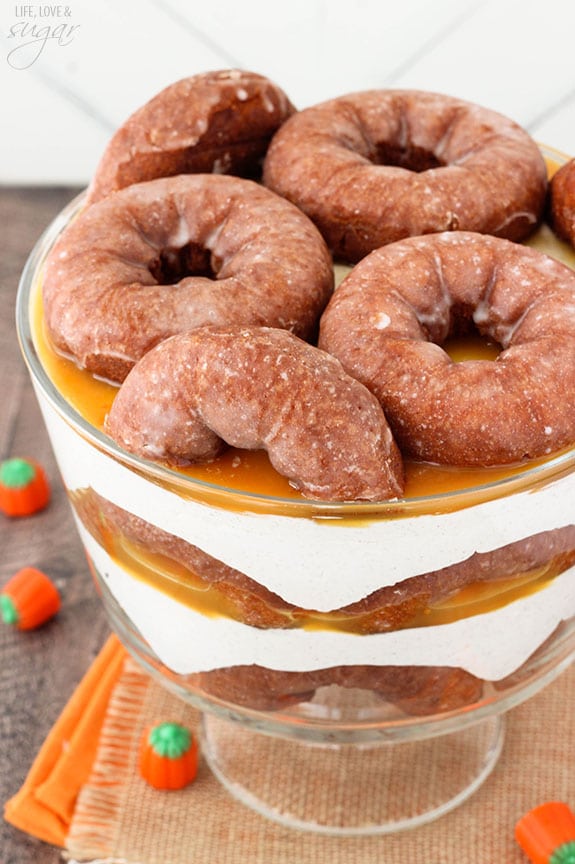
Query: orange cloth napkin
[45,804]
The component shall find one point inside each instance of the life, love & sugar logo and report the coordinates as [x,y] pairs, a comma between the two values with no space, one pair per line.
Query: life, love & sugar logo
[37,26]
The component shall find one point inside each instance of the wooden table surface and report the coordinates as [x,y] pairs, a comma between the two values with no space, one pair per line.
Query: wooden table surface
[38,670]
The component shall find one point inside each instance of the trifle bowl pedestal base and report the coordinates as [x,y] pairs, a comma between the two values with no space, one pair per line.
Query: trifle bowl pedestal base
[376,787]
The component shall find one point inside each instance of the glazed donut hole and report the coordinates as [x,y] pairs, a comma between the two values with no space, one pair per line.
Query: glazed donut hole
[382,143]
[176,263]
[410,157]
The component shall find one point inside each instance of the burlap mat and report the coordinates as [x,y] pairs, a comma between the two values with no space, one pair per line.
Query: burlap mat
[120,819]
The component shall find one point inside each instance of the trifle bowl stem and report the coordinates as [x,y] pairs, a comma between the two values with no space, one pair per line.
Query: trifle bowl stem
[351,789]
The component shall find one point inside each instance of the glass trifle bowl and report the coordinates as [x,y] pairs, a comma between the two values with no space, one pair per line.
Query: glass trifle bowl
[363,653]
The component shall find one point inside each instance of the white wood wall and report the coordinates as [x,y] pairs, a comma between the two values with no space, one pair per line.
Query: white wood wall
[63,96]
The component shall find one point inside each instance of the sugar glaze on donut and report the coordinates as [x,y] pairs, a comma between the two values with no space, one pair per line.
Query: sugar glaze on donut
[259,388]
[175,253]
[373,167]
[215,121]
[389,317]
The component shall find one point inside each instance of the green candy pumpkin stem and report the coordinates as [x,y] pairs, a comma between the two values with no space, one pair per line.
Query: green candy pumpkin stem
[564,854]
[8,611]
[170,740]
[16,473]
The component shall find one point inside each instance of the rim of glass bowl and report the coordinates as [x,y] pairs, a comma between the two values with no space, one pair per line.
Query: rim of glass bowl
[217,494]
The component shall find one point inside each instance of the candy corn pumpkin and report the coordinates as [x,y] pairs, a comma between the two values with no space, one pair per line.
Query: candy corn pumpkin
[168,756]
[28,599]
[24,488]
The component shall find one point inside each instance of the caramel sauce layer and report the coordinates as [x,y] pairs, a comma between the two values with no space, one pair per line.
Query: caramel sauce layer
[251,471]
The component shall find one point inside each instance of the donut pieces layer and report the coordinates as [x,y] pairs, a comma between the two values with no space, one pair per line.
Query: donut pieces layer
[172,254]
[374,167]
[387,321]
[218,122]
[259,388]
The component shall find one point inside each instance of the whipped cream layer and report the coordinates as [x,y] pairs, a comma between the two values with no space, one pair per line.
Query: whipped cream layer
[323,564]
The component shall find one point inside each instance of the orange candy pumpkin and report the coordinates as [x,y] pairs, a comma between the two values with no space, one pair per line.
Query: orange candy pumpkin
[547,834]
[28,599]
[169,756]
[24,487]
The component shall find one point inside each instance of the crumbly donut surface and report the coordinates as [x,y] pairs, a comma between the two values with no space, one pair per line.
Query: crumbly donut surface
[348,164]
[215,121]
[259,388]
[388,319]
[117,281]
[562,202]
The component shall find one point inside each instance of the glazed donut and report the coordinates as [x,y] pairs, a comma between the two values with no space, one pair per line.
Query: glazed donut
[389,317]
[374,167]
[562,202]
[217,121]
[259,388]
[175,253]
